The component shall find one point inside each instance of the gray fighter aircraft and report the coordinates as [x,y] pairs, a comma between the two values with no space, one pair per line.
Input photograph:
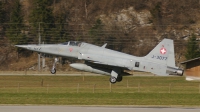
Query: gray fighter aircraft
[159,61]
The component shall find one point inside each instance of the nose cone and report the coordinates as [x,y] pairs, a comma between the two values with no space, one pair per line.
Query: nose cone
[29,47]
[22,46]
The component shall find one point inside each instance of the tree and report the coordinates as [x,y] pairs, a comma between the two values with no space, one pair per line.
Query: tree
[96,31]
[192,48]
[61,33]
[156,12]
[2,18]
[2,13]
[14,30]
[42,14]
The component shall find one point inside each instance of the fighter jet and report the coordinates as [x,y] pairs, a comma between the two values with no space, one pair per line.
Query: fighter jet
[99,59]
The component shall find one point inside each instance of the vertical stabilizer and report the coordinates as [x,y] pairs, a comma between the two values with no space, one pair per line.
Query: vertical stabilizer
[163,53]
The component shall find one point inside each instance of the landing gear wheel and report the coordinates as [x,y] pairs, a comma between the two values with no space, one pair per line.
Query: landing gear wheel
[113,80]
[53,70]
[119,78]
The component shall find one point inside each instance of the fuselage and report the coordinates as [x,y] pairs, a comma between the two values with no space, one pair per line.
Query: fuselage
[101,55]
[105,61]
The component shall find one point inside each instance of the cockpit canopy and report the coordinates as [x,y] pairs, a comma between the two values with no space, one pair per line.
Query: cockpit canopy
[72,43]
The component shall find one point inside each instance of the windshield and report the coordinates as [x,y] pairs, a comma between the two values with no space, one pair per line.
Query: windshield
[65,43]
[72,43]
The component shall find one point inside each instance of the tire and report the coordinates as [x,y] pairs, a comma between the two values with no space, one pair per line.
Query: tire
[113,80]
[53,71]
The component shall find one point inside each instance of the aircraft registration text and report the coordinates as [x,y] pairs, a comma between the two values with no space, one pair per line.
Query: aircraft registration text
[159,57]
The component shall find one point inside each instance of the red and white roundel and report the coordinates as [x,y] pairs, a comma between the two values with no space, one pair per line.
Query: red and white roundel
[163,50]
[70,49]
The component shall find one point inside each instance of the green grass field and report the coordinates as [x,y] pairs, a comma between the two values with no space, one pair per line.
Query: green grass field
[96,90]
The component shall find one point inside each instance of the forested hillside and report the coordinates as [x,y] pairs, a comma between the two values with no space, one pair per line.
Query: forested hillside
[130,26]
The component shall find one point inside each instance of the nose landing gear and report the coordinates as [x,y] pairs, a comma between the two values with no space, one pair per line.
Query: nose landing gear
[53,70]
[115,77]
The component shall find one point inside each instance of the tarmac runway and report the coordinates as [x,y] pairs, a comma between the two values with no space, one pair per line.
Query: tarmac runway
[92,109]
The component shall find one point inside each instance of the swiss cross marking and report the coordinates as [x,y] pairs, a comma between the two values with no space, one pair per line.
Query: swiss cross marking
[163,50]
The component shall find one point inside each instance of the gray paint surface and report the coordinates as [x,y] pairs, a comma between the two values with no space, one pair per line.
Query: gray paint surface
[159,61]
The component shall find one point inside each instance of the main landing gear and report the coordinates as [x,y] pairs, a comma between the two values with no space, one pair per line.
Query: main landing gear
[115,77]
[53,70]
[114,80]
